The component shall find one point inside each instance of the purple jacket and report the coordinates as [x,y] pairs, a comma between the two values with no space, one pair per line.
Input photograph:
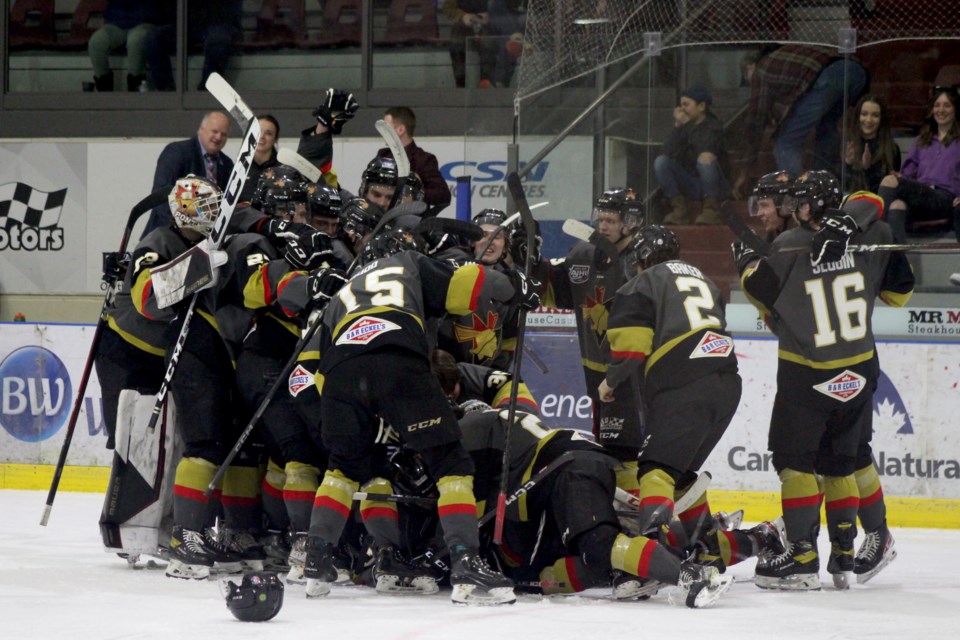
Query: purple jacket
[934,165]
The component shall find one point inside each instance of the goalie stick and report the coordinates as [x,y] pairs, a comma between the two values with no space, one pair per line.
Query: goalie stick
[293,159]
[530,226]
[156,198]
[231,195]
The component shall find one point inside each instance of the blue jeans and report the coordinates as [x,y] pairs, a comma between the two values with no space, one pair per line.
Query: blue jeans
[675,180]
[821,107]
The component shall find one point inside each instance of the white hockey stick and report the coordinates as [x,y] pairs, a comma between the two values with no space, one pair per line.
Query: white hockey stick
[305,167]
[390,136]
[229,98]
[577,229]
[697,489]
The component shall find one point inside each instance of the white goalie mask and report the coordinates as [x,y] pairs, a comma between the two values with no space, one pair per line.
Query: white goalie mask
[195,204]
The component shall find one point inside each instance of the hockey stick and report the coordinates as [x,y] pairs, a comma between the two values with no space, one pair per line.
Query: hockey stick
[399,154]
[951,247]
[742,230]
[230,99]
[693,493]
[110,280]
[227,205]
[555,464]
[393,497]
[530,226]
[293,159]
[582,231]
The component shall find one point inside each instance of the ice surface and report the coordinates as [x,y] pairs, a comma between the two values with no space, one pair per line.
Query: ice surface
[57,582]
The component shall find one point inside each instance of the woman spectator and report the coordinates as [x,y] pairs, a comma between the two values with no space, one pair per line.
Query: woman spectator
[872,153]
[929,180]
[264,157]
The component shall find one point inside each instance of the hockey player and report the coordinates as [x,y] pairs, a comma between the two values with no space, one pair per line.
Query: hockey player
[463,382]
[772,203]
[818,299]
[379,182]
[669,320]
[374,358]
[564,530]
[316,142]
[324,206]
[585,281]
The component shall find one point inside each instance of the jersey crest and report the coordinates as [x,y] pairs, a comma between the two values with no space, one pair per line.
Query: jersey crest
[595,313]
[713,345]
[482,336]
[299,380]
[364,330]
[579,273]
[843,387]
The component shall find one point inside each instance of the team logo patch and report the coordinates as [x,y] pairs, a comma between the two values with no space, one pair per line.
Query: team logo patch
[844,387]
[299,380]
[579,273]
[713,345]
[365,330]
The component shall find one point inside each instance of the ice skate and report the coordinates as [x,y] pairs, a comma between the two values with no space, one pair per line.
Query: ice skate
[189,557]
[796,569]
[630,587]
[475,583]
[318,568]
[841,562]
[245,546]
[770,540]
[702,586]
[297,559]
[876,552]
[276,546]
[396,575]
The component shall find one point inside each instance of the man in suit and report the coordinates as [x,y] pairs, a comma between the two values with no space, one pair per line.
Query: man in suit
[200,155]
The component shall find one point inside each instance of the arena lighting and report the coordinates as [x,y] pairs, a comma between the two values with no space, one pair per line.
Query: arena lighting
[589,21]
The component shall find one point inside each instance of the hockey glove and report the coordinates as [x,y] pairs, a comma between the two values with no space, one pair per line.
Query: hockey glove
[526,290]
[830,242]
[337,107]
[743,256]
[323,283]
[310,251]
[280,232]
[518,246]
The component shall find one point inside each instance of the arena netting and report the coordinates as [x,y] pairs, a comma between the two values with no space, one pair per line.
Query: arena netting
[569,39]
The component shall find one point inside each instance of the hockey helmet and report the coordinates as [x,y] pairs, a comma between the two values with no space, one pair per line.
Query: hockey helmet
[195,204]
[412,189]
[409,474]
[490,216]
[379,171]
[324,201]
[389,242]
[359,216]
[257,598]
[819,189]
[281,201]
[776,186]
[654,244]
[623,201]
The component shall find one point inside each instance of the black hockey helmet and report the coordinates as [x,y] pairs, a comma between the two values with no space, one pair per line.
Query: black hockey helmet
[360,216]
[777,186]
[623,201]
[409,474]
[390,242]
[490,216]
[279,175]
[412,189]
[257,598]
[379,171]
[324,200]
[818,188]
[654,244]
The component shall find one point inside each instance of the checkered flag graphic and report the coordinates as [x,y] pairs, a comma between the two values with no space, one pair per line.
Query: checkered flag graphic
[30,207]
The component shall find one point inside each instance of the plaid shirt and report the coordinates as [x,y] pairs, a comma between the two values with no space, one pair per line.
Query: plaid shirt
[780,79]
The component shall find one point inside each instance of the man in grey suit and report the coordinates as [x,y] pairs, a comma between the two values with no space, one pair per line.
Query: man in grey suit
[200,155]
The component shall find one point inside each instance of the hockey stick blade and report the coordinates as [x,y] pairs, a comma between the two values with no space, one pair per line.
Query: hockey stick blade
[220,89]
[392,497]
[461,228]
[741,230]
[390,136]
[293,159]
[586,233]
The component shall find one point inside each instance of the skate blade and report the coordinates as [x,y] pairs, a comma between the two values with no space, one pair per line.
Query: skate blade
[180,570]
[863,578]
[710,593]
[317,588]
[639,589]
[295,575]
[394,586]
[841,581]
[803,582]
[469,595]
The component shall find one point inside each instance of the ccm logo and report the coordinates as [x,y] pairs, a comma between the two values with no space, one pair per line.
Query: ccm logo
[426,424]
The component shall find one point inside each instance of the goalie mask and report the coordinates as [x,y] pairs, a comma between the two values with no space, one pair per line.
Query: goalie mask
[257,598]
[776,186]
[654,244]
[195,204]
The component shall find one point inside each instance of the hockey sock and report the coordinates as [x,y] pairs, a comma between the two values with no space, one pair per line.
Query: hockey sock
[458,512]
[271,493]
[696,520]
[302,481]
[627,477]
[730,547]
[873,510]
[656,498]
[643,557]
[241,498]
[842,503]
[331,506]
[190,506]
[800,497]
[381,518]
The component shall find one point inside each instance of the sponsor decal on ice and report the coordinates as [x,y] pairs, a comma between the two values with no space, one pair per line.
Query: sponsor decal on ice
[299,380]
[579,274]
[843,387]
[366,329]
[36,394]
[713,345]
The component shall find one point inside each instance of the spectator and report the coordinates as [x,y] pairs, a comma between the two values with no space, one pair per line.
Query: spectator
[125,22]
[436,193]
[199,155]
[508,19]
[871,152]
[795,89]
[214,23]
[470,22]
[264,157]
[690,167]
[929,181]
